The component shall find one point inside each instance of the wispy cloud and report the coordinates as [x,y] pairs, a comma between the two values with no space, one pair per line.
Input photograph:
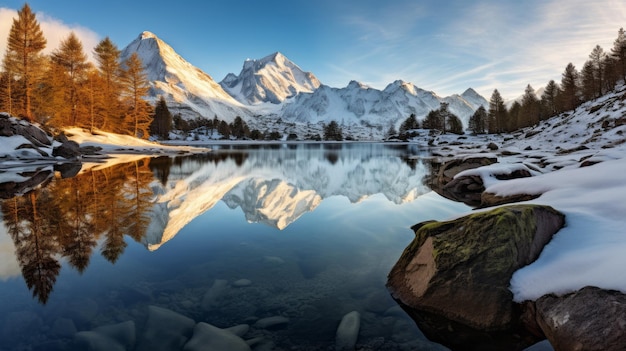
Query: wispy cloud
[533,44]
[54,30]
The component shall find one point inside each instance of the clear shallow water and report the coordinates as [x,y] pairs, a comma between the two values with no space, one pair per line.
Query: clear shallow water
[305,232]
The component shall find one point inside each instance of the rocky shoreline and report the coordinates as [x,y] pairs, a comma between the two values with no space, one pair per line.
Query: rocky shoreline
[453,279]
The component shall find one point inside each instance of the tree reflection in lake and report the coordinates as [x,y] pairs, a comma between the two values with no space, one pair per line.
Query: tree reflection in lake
[68,217]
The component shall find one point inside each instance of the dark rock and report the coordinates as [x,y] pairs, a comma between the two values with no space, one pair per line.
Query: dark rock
[466,189]
[589,319]
[6,127]
[35,135]
[569,151]
[453,167]
[444,174]
[490,199]
[453,278]
[469,188]
[492,146]
[532,133]
[33,147]
[34,179]
[69,149]
[68,169]
[509,153]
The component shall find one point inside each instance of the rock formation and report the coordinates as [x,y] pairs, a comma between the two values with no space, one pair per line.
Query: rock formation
[453,278]
[589,319]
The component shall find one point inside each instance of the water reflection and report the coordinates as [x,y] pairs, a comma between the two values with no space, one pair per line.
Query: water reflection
[151,200]
[66,219]
[259,232]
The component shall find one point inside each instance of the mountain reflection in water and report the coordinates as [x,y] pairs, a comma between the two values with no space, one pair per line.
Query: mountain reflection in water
[57,226]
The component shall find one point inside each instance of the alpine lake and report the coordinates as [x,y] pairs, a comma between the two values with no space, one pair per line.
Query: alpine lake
[282,240]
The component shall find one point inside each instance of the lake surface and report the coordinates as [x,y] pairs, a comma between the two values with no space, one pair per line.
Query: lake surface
[303,233]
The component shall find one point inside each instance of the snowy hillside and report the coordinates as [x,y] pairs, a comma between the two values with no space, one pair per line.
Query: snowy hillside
[187,89]
[271,79]
[358,103]
[579,157]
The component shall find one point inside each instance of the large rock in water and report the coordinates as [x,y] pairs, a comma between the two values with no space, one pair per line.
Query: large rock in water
[453,278]
[590,319]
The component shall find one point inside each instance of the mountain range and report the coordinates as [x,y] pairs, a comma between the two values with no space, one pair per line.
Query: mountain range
[276,89]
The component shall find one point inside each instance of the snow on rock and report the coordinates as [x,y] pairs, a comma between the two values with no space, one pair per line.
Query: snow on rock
[273,79]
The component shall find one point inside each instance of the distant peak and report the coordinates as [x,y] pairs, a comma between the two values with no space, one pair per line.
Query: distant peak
[276,57]
[402,85]
[147,35]
[356,84]
[470,92]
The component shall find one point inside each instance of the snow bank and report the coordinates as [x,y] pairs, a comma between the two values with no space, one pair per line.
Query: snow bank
[590,250]
[112,143]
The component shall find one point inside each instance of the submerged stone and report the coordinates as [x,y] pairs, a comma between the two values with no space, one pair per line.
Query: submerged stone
[216,291]
[113,337]
[207,337]
[271,322]
[453,278]
[348,331]
[165,330]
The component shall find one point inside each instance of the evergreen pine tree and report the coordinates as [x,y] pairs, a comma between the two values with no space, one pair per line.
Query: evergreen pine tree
[107,56]
[478,121]
[588,81]
[549,102]
[618,52]
[409,123]
[162,120]
[24,45]
[529,110]
[433,121]
[333,131]
[73,61]
[598,60]
[134,87]
[497,114]
[7,83]
[569,88]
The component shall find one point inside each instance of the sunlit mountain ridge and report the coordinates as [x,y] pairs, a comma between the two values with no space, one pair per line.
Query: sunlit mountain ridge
[274,89]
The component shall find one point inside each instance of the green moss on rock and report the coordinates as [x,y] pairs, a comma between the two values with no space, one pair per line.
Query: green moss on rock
[460,269]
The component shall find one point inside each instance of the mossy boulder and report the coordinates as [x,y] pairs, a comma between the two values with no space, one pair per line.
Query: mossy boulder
[453,279]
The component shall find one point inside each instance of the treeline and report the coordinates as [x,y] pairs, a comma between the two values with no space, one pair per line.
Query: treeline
[64,89]
[599,75]
[441,120]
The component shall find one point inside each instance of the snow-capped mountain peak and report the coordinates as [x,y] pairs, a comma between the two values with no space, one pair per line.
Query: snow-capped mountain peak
[147,35]
[187,89]
[273,78]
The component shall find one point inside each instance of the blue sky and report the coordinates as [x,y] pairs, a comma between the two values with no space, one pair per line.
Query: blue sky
[441,45]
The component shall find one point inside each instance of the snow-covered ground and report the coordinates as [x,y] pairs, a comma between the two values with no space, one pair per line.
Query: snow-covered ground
[590,249]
